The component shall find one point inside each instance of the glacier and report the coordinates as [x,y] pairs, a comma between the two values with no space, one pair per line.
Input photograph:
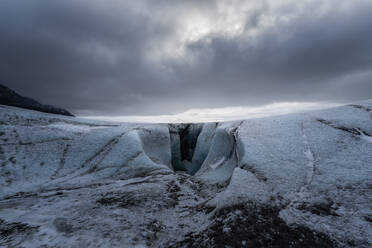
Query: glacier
[294,180]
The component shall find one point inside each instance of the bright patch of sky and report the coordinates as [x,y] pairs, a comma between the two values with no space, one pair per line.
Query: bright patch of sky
[221,114]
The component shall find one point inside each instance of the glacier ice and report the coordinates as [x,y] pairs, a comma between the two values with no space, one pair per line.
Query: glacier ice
[67,182]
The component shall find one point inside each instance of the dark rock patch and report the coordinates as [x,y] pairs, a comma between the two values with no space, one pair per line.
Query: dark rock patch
[62,225]
[14,230]
[368,218]
[152,231]
[324,208]
[253,226]
[173,189]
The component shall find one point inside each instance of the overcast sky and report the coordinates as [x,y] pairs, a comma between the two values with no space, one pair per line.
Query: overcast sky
[149,57]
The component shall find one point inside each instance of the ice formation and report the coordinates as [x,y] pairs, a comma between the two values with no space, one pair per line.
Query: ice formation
[297,180]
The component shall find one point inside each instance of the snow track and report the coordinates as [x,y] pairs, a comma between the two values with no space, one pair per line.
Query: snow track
[310,156]
[93,162]
[62,161]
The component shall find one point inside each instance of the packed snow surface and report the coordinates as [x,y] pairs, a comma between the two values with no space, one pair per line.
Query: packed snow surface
[295,180]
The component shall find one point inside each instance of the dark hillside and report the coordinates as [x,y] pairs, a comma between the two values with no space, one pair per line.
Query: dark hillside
[11,98]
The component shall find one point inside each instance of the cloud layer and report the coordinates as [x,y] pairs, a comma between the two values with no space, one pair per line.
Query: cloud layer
[159,57]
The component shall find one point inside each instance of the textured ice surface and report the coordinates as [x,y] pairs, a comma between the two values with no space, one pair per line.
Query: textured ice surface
[70,182]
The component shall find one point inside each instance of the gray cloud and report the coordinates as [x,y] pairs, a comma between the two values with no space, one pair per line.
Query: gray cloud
[151,57]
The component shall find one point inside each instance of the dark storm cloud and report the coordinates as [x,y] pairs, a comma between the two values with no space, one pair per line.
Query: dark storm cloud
[302,59]
[78,54]
[141,57]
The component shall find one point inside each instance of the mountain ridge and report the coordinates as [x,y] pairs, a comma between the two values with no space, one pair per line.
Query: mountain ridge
[11,98]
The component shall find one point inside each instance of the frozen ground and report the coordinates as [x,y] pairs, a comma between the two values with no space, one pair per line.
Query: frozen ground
[297,180]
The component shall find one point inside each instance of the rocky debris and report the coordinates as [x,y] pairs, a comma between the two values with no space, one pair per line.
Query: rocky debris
[156,200]
[152,231]
[62,225]
[323,207]
[14,232]
[125,201]
[251,225]
[11,98]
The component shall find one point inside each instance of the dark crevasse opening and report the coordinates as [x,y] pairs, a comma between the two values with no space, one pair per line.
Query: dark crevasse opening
[183,142]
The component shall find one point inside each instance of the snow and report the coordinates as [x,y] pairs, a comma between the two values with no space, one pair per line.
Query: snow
[243,187]
[218,163]
[73,127]
[203,143]
[87,183]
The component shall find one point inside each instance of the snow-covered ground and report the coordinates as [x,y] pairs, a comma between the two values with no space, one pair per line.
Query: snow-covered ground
[295,180]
